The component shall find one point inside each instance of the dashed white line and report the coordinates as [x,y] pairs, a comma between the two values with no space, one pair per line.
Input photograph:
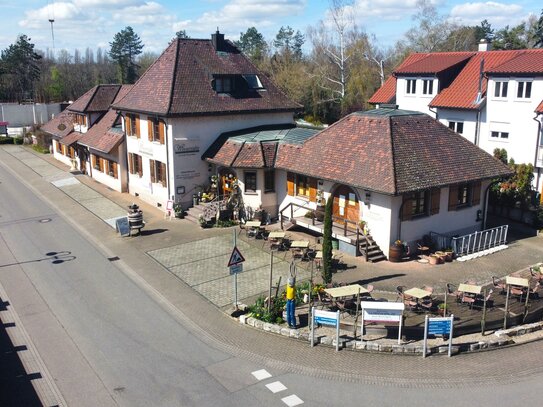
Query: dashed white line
[261,374]
[276,387]
[292,400]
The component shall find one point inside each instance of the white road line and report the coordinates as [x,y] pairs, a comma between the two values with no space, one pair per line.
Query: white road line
[276,387]
[261,374]
[292,400]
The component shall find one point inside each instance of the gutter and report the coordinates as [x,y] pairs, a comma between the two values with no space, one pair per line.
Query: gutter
[537,144]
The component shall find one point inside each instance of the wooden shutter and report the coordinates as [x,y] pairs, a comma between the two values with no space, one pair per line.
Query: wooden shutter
[407,212]
[150,129]
[153,172]
[137,126]
[453,197]
[290,183]
[101,164]
[93,160]
[161,132]
[435,196]
[127,125]
[131,163]
[163,174]
[312,189]
[140,165]
[476,193]
[115,170]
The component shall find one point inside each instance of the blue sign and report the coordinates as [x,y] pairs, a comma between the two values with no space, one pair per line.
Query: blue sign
[326,317]
[439,327]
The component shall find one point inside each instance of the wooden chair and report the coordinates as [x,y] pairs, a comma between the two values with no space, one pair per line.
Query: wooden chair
[467,299]
[370,288]
[453,293]
[399,291]
[428,289]
[499,284]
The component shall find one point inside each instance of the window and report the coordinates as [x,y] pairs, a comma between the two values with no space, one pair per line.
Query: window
[81,119]
[499,134]
[427,87]
[302,185]
[457,126]
[224,84]
[269,180]
[411,86]
[135,164]
[500,89]
[464,195]
[416,204]
[253,81]
[250,181]
[158,172]
[524,90]
[132,124]
[155,130]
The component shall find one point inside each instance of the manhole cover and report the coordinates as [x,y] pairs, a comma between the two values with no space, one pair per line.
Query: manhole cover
[46,220]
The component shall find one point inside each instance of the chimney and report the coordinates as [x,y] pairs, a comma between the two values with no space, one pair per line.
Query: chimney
[484,45]
[218,42]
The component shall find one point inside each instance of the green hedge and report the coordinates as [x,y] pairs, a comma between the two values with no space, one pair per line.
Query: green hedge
[6,140]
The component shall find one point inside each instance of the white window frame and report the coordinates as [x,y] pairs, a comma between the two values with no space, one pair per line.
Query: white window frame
[499,86]
[411,86]
[524,86]
[428,86]
[499,135]
[455,124]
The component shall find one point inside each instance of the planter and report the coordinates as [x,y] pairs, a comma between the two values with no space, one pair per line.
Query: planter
[395,253]
[434,259]
[449,255]
[179,215]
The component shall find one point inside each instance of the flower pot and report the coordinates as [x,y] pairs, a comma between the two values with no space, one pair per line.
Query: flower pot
[449,255]
[433,259]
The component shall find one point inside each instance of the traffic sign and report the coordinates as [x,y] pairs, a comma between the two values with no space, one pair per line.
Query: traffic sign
[439,326]
[236,268]
[235,257]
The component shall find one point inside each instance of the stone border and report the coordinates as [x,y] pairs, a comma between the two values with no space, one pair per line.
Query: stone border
[501,338]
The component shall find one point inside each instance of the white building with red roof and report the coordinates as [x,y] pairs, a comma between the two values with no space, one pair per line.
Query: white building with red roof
[492,98]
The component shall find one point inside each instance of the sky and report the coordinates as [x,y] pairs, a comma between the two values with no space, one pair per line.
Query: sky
[93,23]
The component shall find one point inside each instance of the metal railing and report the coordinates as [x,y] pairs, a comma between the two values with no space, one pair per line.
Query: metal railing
[479,241]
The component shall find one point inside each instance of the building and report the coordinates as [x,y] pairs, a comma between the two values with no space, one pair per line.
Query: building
[195,91]
[492,98]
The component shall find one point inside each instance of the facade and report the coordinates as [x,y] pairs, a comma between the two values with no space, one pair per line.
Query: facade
[490,97]
[200,89]
[401,172]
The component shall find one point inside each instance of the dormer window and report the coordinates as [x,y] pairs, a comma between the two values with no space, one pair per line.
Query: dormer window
[427,86]
[224,84]
[253,82]
[411,86]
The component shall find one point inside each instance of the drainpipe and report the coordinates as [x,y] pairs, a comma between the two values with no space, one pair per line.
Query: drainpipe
[485,207]
[400,219]
[477,128]
[127,171]
[167,156]
[434,112]
[537,144]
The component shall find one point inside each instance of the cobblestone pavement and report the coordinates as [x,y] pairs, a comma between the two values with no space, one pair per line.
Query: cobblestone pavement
[166,241]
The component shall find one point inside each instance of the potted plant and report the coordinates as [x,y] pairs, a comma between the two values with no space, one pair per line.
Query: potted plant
[441,309]
[449,254]
[178,211]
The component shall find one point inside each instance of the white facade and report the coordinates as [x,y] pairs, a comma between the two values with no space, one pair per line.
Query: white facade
[186,139]
[416,93]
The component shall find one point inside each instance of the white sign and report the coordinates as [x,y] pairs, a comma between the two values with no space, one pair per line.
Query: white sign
[235,257]
[236,268]
[382,312]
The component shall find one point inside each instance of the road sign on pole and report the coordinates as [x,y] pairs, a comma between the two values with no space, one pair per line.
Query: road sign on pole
[236,268]
[235,257]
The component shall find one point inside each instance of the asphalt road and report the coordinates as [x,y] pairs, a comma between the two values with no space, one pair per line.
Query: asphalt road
[107,340]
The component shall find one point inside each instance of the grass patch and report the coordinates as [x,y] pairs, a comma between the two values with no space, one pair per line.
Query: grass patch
[40,149]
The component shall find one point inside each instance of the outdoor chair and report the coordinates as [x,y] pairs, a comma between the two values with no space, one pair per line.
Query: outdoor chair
[517,291]
[536,275]
[499,284]
[370,288]
[427,304]
[399,290]
[410,302]
[429,289]
[467,299]
[533,291]
[324,299]
[453,293]
[481,301]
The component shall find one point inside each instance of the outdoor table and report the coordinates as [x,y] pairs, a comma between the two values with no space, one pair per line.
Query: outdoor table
[518,281]
[253,224]
[418,293]
[318,255]
[470,288]
[299,244]
[346,291]
[276,235]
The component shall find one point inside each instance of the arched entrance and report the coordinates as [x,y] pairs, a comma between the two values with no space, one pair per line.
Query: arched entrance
[227,178]
[346,206]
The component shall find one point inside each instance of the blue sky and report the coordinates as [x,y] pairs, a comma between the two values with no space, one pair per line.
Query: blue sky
[92,23]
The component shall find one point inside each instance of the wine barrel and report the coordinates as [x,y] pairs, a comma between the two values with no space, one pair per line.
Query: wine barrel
[395,253]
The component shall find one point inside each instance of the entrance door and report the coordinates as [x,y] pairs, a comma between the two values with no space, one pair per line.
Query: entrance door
[346,205]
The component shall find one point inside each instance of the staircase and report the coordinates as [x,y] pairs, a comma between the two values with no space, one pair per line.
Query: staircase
[369,248]
[208,210]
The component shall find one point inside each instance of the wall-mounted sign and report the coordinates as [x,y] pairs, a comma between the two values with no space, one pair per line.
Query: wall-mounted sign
[189,174]
[186,146]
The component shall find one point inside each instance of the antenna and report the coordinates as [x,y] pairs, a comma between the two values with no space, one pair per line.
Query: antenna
[51,12]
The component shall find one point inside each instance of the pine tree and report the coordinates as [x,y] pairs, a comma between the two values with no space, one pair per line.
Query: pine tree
[327,243]
[125,47]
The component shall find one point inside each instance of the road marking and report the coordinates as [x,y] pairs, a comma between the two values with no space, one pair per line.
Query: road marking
[276,387]
[292,400]
[261,374]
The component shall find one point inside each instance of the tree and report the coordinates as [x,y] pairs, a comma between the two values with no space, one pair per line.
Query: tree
[327,242]
[146,60]
[511,38]
[181,34]
[22,65]
[538,32]
[252,44]
[125,47]
[484,31]
[289,43]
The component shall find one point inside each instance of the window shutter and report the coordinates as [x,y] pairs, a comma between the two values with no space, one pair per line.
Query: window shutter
[406,209]
[161,132]
[63,149]
[476,193]
[435,196]
[137,126]
[290,183]
[127,125]
[93,160]
[312,189]
[453,197]
[150,129]
[140,165]
[163,174]
[115,170]
[153,174]
[101,164]
[131,163]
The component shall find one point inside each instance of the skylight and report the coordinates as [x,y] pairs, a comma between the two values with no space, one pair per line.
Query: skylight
[253,81]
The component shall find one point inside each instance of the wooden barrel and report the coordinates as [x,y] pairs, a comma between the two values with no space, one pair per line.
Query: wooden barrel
[395,253]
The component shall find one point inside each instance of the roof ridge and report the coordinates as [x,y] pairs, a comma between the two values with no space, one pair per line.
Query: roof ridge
[174,72]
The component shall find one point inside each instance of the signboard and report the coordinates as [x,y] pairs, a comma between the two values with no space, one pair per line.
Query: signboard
[326,317]
[122,226]
[382,312]
[236,268]
[439,326]
[235,257]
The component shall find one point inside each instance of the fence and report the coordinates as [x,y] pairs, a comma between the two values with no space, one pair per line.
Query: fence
[480,241]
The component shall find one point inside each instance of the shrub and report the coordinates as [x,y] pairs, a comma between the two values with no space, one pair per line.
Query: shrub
[260,310]
[6,140]
[40,149]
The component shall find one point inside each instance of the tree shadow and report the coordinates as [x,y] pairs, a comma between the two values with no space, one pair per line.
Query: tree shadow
[148,232]
[378,278]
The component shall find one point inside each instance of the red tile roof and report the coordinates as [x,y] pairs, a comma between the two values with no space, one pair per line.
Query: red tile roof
[101,136]
[390,151]
[59,126]
[539,108]
[433,63]
[462,93]
[71,138]
[180,83]
[523,62]
[97,99]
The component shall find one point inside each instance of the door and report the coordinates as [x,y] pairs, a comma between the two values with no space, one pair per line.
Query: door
[346,206]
